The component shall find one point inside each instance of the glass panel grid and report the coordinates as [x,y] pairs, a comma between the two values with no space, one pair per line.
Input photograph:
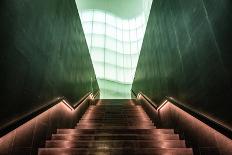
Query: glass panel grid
[114,45]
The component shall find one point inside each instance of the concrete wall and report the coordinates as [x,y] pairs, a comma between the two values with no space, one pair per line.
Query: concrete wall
[43,54]
[187,54]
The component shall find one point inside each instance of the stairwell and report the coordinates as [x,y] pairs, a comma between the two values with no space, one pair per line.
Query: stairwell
[115,127]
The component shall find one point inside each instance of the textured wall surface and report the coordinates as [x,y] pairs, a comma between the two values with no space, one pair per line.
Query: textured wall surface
[186,54]
[43,55]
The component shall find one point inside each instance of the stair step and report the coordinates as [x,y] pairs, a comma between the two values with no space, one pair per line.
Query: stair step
[117,112]
[110,120]
[122,112]
[114,121]
[112,116]
[115,124]
[116,118]
[116,131]
[116,144]
[114,127]
[115,108]
[116,151]
[98,137]
[124,120]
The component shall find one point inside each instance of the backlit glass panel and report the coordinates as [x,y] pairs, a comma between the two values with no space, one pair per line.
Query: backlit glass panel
[114,45]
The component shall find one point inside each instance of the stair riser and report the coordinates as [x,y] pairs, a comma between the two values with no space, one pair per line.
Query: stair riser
[115,124]
[116,119]
[116,116]
[115,131]
[118,144]
[114,127]
[114,138]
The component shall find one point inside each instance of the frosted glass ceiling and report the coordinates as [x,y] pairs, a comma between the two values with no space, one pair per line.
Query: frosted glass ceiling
[114,45]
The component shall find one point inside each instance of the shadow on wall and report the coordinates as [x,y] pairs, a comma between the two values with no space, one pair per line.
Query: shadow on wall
[186,54]
[43,55]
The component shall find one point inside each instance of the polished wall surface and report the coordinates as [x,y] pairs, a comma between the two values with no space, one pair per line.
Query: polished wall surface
[44,54]
[27,138]
[202,138]
[186,53]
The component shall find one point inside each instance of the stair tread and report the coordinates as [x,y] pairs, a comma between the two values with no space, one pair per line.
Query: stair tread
[144,151]
[109,134]
[117,144]
[116,131]
[115,137]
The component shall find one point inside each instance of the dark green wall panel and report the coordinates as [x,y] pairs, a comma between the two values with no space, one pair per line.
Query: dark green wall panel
[43,55]
[186,53]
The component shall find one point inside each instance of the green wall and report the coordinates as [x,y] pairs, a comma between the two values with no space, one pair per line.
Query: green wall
[44,55]
[186,54]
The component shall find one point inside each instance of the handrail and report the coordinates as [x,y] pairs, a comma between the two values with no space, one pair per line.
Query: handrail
[81,100]
[16,123]
[98,92]
[208,121]
[133,93]
[149,100]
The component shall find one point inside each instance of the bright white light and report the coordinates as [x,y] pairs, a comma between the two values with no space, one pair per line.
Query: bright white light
[114,45]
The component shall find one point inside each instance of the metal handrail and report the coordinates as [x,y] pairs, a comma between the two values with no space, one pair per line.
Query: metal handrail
[98,92]
[16,123]
[203,118]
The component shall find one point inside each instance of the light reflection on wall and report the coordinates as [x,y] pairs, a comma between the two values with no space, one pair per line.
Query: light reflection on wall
[114,44]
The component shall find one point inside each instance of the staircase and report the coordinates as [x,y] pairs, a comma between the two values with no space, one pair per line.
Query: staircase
[115,127]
